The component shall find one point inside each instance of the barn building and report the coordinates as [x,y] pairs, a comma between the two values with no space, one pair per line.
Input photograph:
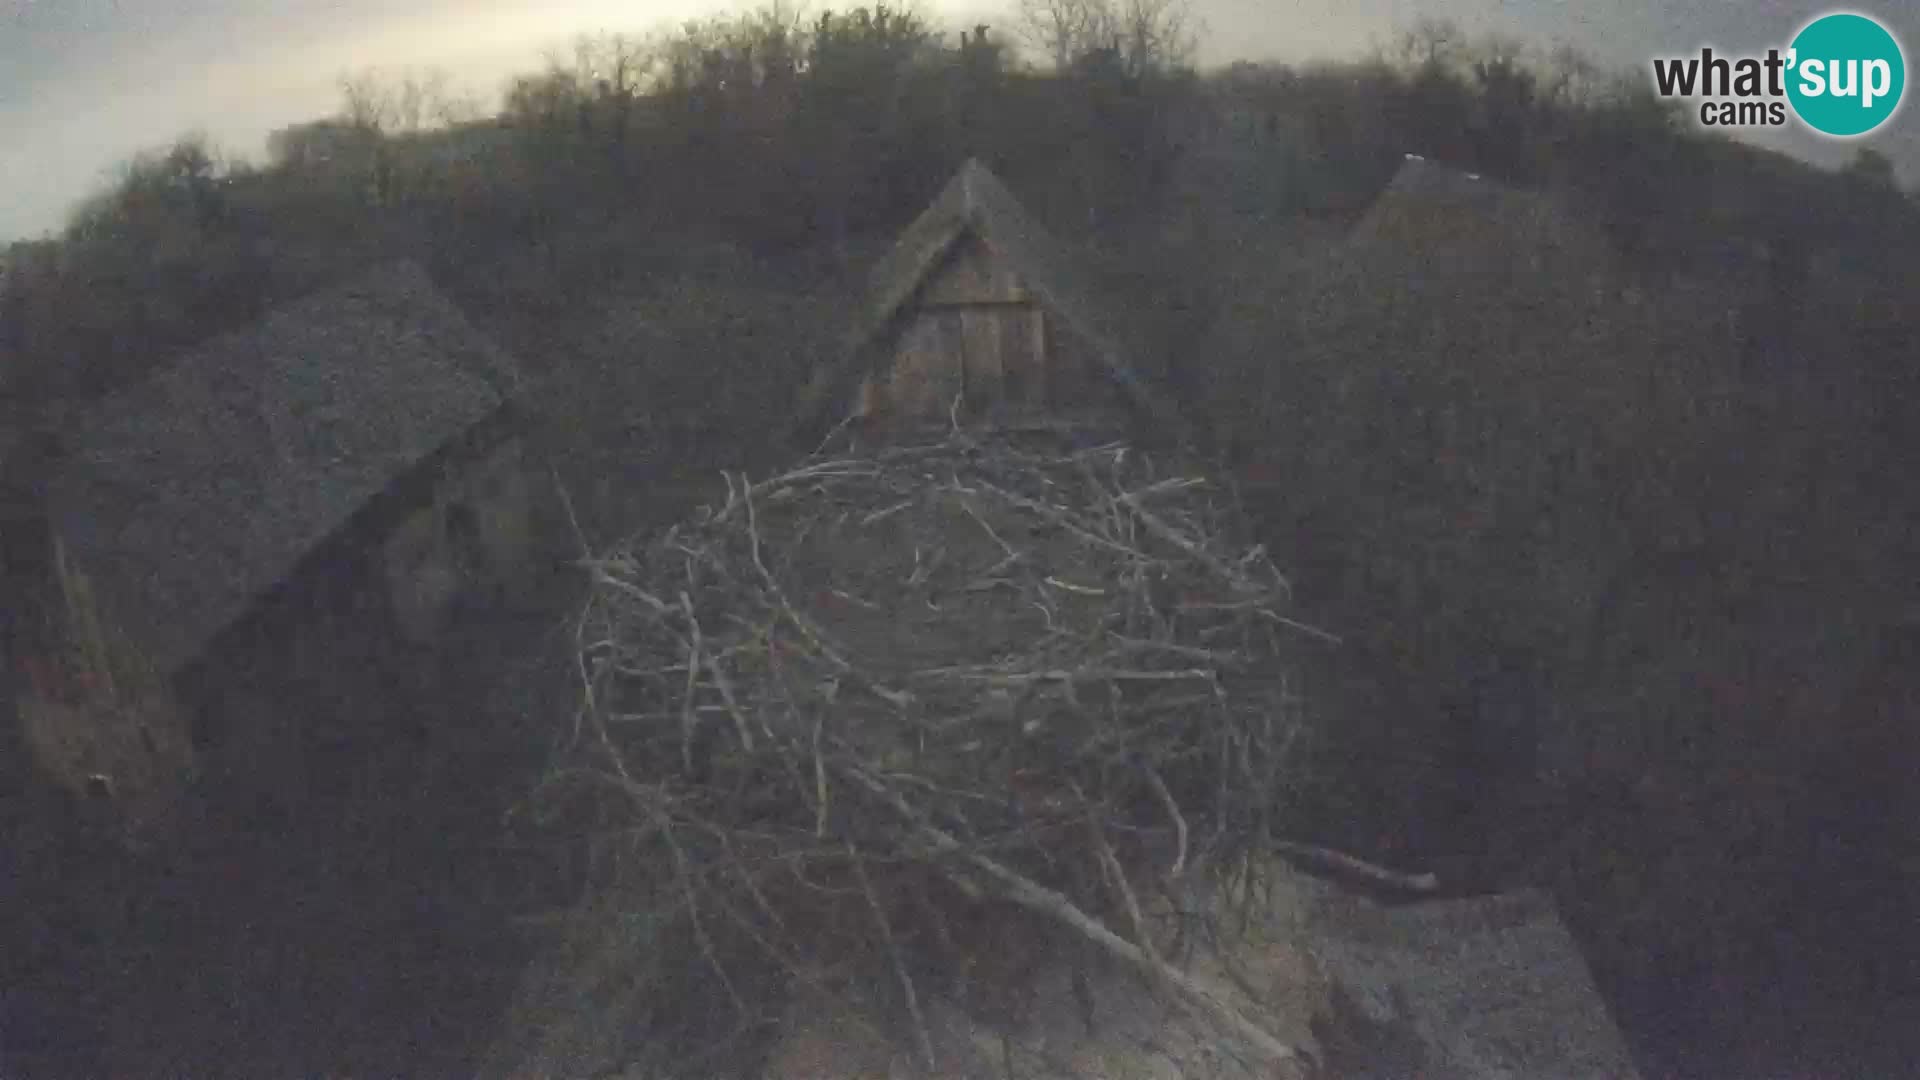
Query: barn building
[348,469]
[979,315]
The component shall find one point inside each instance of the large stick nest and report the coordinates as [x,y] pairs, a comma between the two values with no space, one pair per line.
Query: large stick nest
[827,719]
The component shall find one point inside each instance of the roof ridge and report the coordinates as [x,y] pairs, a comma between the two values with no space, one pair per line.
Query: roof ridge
[973,206]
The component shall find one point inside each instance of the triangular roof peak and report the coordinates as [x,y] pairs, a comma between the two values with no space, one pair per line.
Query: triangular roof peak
[973,178]
[1425,198]
[975,202]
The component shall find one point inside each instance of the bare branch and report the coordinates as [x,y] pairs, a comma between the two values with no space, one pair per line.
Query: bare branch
[834,613]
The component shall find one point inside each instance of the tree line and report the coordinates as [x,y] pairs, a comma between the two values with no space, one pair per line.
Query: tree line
[777,129]
[1469,485]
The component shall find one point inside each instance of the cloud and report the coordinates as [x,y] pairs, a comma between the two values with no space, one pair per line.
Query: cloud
[125,82]
[86,83]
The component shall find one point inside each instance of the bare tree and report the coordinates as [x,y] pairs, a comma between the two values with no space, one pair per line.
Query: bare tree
[415,99]
[1429,44]
[1063,31]
[157,199]
[192,160]
[365,102]
[612,70]
[1156,35]
[621,67]
[457,109]
[539,100]
[400,103]
[1571,80]
[1144,35]
[1504,73]
[375,106]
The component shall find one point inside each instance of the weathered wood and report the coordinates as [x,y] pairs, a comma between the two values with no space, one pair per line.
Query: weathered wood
[983,355]
[992,358]
[1009,290]
[973,274]
[1034,373]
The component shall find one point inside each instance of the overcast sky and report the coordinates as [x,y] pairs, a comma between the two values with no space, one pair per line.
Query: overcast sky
[85,83]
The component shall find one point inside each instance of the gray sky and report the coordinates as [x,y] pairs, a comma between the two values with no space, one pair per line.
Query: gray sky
[85,83]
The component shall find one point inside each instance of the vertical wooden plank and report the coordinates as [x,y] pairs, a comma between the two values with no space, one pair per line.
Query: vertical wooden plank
[1023,358]
[1012,336]
[867,399]
[981,355]
[909,386]
[1039,359]
[926,369]
[947,376]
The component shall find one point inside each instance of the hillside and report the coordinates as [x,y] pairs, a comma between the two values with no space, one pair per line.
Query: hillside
[1596,464]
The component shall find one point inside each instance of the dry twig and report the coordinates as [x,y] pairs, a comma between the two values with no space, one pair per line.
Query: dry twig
[977,657]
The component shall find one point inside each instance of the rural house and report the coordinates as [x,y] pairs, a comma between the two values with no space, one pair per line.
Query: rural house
[1431,211]
[1531,359]
[349,466]
[977,313]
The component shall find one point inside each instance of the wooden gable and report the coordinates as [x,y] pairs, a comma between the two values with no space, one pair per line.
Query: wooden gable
[976,332]
[977,314]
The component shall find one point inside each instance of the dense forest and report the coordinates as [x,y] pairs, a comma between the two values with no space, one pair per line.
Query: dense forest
[1643,499]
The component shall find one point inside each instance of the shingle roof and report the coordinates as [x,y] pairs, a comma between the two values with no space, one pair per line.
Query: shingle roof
[1490,987]
[1430,210]
[976,202]
[190,493]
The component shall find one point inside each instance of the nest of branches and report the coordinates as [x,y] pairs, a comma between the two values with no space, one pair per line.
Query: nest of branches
[829,723]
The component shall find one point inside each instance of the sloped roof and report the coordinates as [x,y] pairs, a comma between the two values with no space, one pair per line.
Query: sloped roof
[1474,989]
[1459,272]
[976,202]
[192,492]
[1430,210]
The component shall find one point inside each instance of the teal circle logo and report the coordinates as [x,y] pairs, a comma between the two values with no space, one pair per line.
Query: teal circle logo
[1846,75]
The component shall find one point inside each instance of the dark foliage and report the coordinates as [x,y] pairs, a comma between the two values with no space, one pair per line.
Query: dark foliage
[1677,523]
